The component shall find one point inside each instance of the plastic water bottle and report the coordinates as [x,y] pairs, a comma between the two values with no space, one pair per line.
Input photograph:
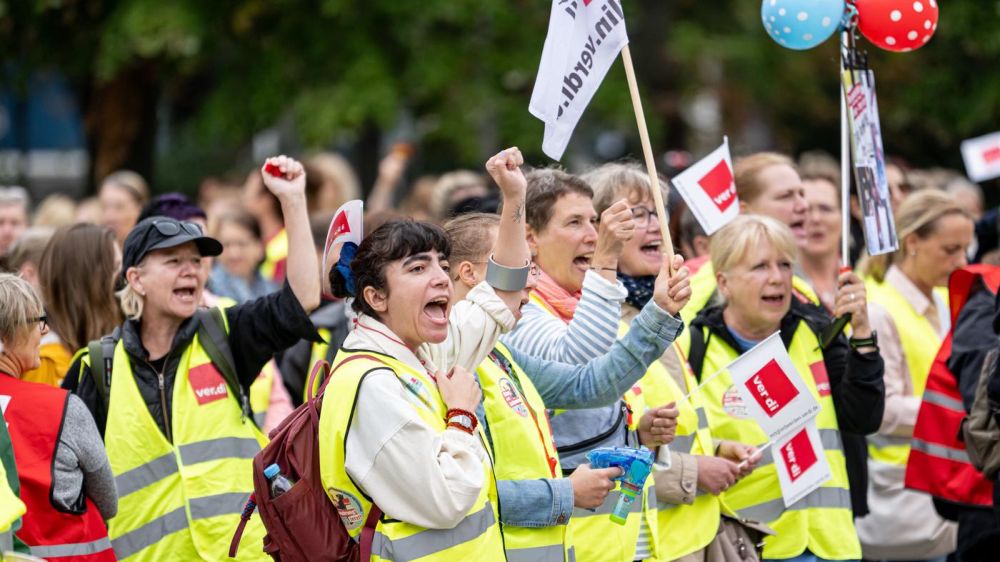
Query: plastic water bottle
[279,483]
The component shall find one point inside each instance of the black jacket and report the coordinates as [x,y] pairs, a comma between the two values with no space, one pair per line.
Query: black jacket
[257,330]
[855,384]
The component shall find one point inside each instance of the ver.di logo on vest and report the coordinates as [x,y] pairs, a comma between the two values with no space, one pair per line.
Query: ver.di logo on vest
[512,397]
[207,384]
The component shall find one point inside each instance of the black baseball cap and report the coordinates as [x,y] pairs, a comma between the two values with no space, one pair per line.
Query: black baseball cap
[157,233]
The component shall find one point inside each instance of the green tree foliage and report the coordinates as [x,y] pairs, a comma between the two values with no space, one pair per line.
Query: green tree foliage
[464,70]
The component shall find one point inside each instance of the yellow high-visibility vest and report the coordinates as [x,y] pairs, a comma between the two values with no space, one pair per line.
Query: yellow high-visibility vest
[523,449]
[822,521]
[477,537]
[181,500]
[920,344]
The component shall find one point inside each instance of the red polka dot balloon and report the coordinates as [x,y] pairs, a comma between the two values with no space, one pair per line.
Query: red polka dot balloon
[897,25]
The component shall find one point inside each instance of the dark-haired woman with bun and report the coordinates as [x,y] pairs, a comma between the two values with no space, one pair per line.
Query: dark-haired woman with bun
[398,431]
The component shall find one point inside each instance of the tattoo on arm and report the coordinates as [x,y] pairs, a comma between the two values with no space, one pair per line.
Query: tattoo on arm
[519,212]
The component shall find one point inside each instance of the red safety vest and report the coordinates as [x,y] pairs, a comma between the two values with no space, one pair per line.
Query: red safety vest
[938,462]
[34,415]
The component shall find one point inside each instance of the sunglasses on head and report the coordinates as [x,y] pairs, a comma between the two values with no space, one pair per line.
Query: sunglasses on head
[172,228]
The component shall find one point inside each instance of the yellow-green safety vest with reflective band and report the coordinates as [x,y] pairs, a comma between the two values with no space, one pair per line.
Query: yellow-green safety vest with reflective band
[275,250]
[260,393]
[11,507]
[477,537]
[822,521]
[703,285]
[594,536]
[920,343]
[683,529]
[523,449]
[320,351]
[181,500]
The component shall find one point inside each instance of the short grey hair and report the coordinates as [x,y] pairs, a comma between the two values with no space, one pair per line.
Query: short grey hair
[15,195]
[19,304]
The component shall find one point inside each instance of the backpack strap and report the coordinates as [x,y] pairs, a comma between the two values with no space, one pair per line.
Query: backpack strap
[212,335]
[368,533]
[696,355]
[102,352]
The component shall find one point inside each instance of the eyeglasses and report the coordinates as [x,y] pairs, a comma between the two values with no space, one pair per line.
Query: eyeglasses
[643,215]
[43,322]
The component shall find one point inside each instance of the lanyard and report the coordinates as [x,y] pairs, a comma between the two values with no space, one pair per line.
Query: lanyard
[504,364]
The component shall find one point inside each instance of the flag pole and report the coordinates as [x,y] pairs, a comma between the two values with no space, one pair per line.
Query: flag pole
[647,151]
[845,162]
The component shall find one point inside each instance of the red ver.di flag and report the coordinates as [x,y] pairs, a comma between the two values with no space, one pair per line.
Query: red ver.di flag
[774,393]
[584,39]
[709,189]
[801,464]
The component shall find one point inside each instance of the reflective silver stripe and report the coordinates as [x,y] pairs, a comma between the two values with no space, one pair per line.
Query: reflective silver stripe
[146,474]
[551,553]
[682,443]
[6,542]
[220,504]
[829,437]
[258,418]
[702,418]
[880,441]
[608,507]
[150,533]
[767,512]
[571,554]
[941,451]
[431,541]
[947,402]
[216,449]
[78,549]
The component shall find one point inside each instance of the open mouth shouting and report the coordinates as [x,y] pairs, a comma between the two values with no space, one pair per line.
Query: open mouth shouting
[582,262]
[436,311]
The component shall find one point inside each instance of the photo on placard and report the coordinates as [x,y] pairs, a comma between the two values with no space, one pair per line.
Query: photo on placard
[868,158]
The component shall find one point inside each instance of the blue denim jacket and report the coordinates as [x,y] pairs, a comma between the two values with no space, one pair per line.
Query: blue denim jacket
[547,502]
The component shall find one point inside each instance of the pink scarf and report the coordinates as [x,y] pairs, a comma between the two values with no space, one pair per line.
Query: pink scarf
[561,301]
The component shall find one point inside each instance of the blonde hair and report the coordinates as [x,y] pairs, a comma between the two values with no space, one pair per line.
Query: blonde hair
[472,236]
[55,211]
[19,304]
[131,301]
[613,181]
[132,183]
[918,215]
[747,170]
[733,242]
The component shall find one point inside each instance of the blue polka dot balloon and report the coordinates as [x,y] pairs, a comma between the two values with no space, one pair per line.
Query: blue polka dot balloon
[801,24]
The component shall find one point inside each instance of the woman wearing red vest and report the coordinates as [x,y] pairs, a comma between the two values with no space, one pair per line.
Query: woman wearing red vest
[66,481]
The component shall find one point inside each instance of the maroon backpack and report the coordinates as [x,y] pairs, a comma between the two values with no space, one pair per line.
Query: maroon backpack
[302,524]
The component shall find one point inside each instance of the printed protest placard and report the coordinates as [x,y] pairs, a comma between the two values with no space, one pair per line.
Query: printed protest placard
[773,393]
[982,157]
[800,463]
[709,189]
[869,162]
[583,40]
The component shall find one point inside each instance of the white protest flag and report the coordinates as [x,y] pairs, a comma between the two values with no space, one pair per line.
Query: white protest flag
[801,463]
[709,189]
[982,157]
[772,391]
[584,39]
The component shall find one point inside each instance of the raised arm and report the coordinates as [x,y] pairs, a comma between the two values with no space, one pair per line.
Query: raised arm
[290,189]
[511,249]
[602,381]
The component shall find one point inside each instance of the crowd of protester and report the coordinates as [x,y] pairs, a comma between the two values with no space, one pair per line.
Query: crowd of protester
[488,332]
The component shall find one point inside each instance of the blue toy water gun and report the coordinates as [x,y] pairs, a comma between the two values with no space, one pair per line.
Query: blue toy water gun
[636,465]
